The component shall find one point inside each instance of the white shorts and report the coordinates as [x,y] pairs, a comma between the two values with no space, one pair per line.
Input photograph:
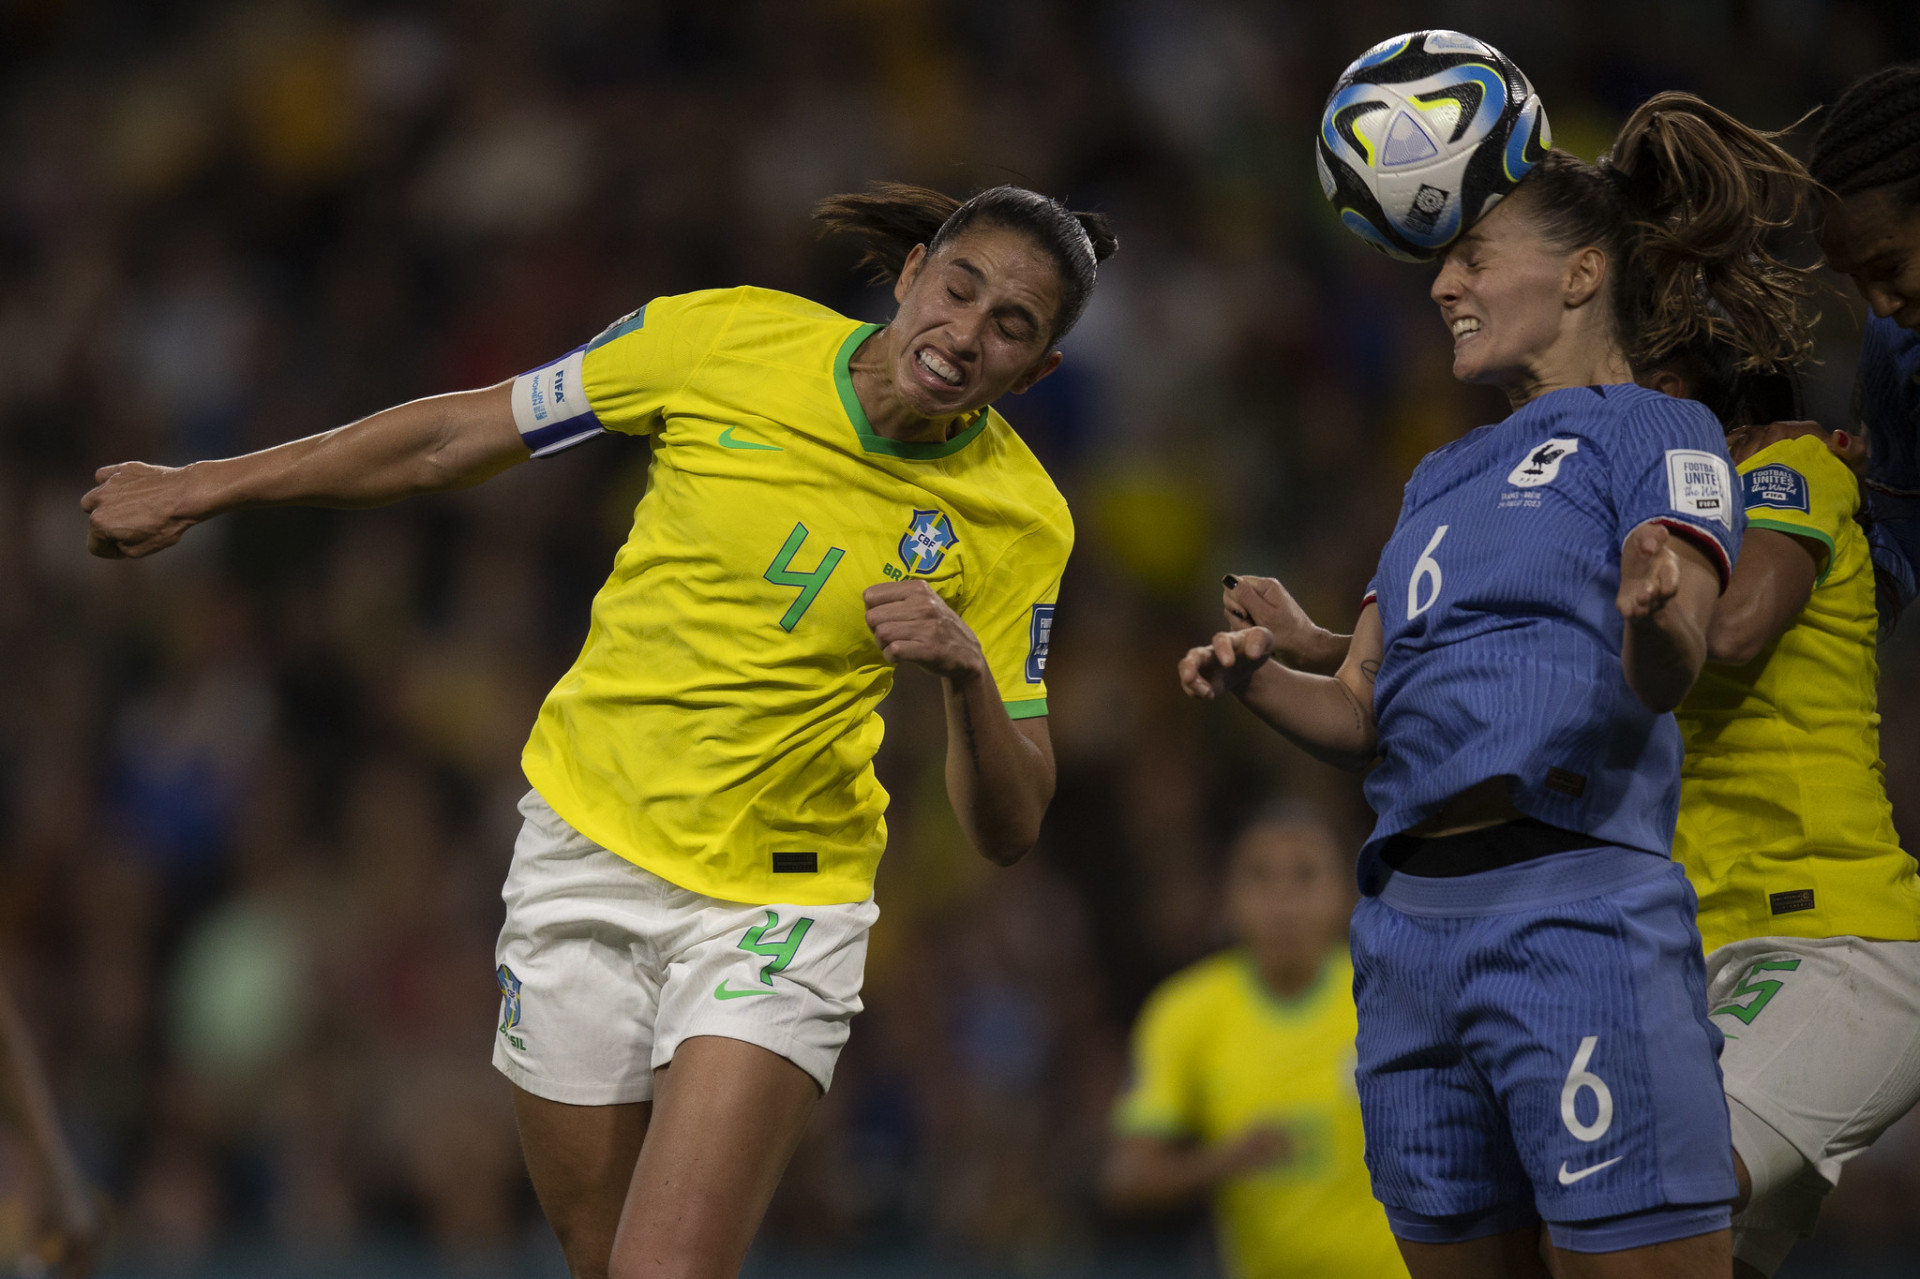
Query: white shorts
[605,968]
[1822,1056]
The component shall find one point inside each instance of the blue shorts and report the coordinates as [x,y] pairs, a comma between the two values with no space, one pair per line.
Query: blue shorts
[1534,1045]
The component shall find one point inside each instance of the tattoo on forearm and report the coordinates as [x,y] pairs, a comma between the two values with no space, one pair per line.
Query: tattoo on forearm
[1371,669]
[1359,712]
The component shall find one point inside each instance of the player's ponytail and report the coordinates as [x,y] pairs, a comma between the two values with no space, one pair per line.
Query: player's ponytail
[1702,194]
[1683,206]
[890,218]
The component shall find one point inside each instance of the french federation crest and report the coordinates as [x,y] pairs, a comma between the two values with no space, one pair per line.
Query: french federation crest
[1542,464]
[926,541]
[509,997]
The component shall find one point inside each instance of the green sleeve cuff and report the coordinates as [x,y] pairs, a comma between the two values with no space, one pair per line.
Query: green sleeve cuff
[1032,708]
[1803,532]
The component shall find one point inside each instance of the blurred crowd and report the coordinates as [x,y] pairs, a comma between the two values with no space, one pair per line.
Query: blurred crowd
[256,795]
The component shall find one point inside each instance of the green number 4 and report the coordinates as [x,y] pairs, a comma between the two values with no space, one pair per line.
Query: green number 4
[780,952]
[1764,990]
[782,573]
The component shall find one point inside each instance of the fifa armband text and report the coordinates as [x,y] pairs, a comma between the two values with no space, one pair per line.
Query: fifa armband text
[550,406]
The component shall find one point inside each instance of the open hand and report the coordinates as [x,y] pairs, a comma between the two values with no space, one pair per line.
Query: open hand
[912,624]
[1226,665]
[134,510]
[1649,572]
[1263,601]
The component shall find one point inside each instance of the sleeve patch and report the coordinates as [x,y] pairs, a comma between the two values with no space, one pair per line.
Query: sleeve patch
[1040,636]
[1698,485]
[1777,486]
[550,405]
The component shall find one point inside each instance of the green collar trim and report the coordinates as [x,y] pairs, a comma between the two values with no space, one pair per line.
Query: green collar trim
[872,441]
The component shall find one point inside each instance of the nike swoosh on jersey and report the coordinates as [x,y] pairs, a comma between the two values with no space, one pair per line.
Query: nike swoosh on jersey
[728,442]
[722,991]
[1568,1178]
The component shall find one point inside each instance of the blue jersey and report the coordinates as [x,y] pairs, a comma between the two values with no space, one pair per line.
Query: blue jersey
[1887,403]
[1502,639]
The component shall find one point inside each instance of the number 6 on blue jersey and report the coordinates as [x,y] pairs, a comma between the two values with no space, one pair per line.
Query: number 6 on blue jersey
[1425,567]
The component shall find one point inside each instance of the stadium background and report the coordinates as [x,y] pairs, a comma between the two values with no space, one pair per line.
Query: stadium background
[256,796]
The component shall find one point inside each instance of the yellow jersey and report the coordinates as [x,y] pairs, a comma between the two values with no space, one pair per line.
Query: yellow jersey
[1215,1054]
[1785,829]
[720,724]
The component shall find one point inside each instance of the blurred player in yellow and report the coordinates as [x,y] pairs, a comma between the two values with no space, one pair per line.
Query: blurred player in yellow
[1243,1075]
[692,888]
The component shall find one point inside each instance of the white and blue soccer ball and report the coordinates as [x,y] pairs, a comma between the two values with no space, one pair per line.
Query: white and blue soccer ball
[1422,135]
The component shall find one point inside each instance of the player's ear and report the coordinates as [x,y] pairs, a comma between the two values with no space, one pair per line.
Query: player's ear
[1047,364]
[1667,382]
[909,272]
[1586,272]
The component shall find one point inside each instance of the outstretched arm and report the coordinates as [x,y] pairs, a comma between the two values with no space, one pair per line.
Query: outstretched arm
[1000,771]
[425,446]
[1667,592]
[1771,584]
[1297,639]
[1146,1173]
[1328,716]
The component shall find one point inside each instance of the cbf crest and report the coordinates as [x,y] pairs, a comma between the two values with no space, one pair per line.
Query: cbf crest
[928,536]
[509,997]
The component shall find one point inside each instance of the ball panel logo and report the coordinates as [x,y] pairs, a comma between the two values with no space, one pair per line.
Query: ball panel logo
[1428,203]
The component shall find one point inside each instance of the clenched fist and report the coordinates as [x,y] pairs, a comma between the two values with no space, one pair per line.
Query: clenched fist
[134,509]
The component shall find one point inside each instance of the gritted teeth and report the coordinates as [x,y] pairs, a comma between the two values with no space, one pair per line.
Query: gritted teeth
[939,367]
[1464,325]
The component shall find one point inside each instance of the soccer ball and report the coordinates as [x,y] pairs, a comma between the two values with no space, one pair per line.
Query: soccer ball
[1422,135]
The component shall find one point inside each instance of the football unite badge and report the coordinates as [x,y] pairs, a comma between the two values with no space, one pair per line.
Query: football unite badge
[925,543]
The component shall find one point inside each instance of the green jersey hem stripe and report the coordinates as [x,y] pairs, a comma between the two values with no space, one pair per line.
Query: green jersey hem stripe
[1798,530]
[874,442]
[1032,708]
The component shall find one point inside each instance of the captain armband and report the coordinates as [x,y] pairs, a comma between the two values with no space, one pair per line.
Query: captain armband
[550,406]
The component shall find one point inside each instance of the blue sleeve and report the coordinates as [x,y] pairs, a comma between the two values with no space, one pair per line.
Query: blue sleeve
[1669,463]
[1886,403]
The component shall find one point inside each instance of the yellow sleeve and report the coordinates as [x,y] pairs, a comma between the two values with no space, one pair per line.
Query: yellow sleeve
[1163,1096]
[1799,488]
[1013,615]
[623,379]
